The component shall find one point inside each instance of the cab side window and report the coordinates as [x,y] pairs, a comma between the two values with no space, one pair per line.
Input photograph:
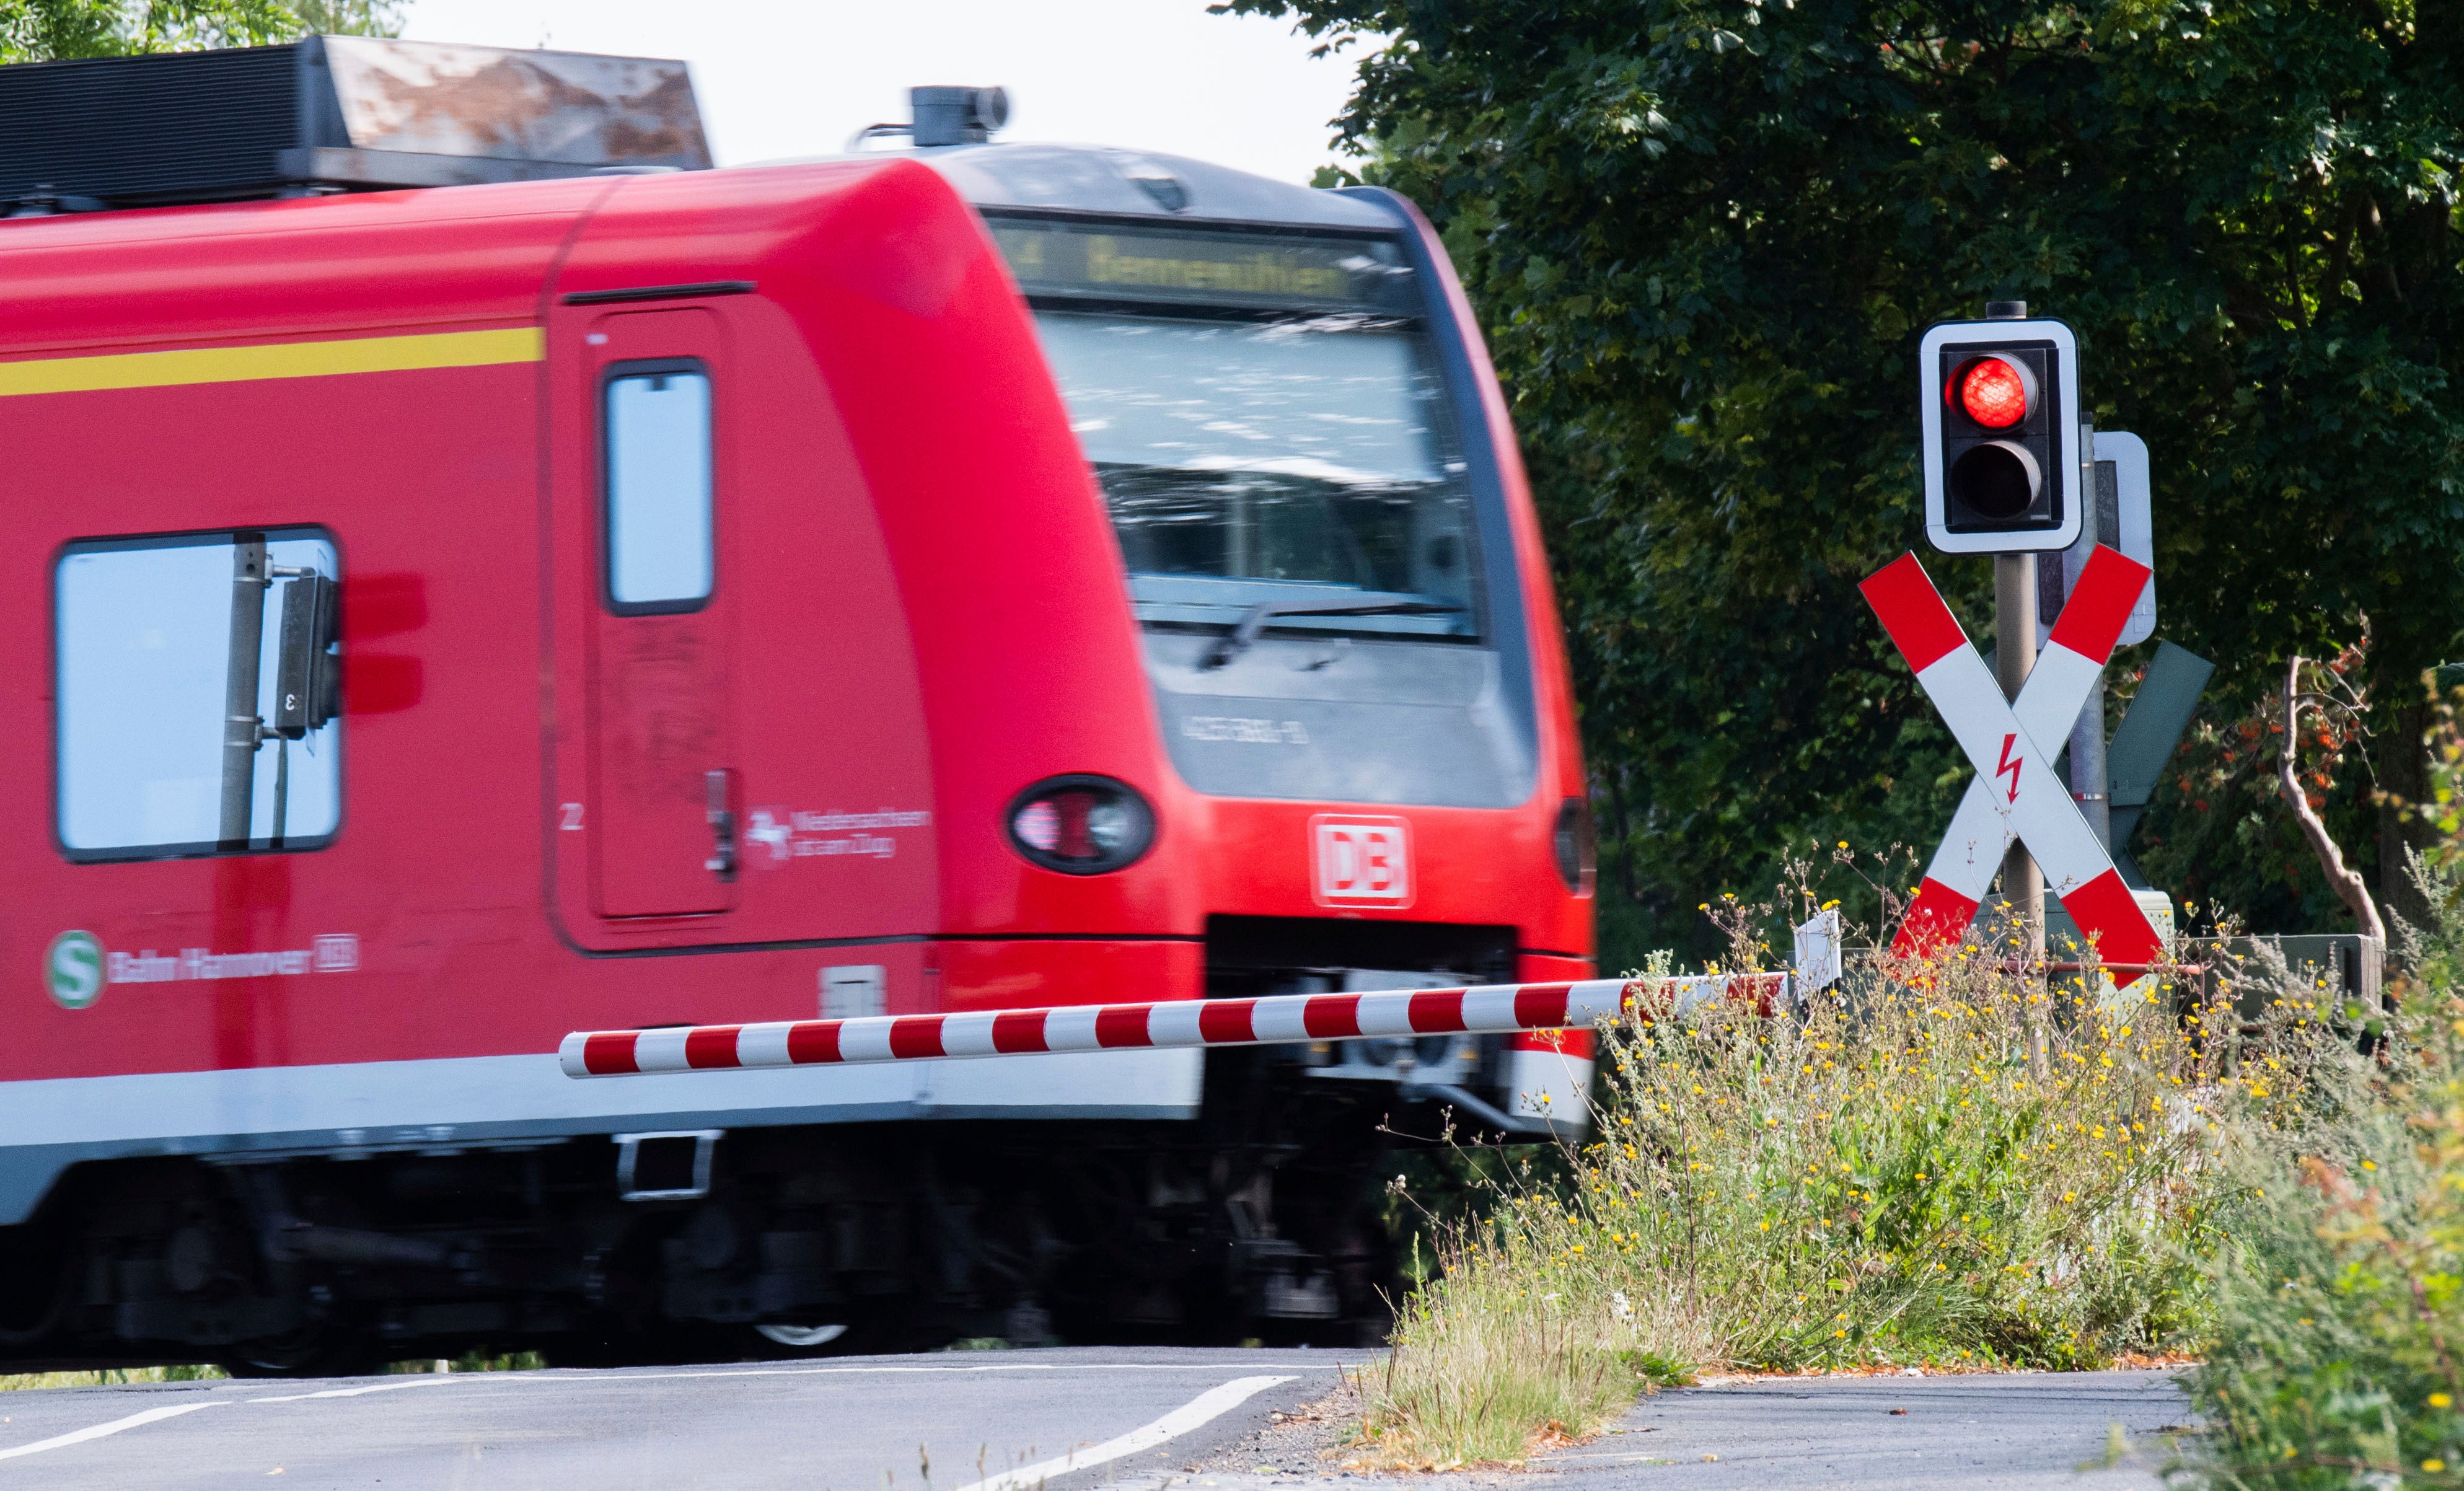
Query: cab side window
[197,682]
[658,485]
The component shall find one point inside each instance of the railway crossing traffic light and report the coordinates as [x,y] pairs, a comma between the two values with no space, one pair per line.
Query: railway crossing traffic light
[2001,413]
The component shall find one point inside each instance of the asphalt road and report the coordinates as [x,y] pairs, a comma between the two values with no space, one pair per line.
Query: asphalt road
[2021,1431]
[2031,1432]
[959,1421]
[1075,1419]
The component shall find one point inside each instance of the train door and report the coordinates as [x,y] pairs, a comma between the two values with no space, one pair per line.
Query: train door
[737,743]
[661,795]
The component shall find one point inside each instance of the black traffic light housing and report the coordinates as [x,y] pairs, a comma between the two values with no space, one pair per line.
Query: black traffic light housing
[2001,419]
[307,673]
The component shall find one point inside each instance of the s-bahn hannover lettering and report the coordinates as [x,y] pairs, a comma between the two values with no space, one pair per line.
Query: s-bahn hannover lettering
[338,953]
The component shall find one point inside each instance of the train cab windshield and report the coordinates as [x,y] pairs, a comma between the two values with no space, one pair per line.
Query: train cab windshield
[1264,416]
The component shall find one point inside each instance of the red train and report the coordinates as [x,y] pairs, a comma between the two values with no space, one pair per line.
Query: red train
[969,576]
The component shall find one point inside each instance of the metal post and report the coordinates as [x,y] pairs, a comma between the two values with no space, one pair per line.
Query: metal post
[241,728]
[2088,781]
[2014,647]
[2099,522]
[281,788]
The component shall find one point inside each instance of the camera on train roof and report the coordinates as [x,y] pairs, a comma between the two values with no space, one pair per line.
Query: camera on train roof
[946,116]
[943,114]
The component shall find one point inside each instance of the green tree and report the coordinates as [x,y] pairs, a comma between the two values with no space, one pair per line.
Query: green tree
[1705,235]
[42,31]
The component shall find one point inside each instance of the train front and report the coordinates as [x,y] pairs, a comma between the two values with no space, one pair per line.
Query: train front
[1345,616]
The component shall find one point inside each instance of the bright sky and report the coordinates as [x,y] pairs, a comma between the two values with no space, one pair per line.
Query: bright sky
[778,77]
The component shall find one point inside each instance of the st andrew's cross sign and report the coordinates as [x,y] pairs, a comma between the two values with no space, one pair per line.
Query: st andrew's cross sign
[2015,794]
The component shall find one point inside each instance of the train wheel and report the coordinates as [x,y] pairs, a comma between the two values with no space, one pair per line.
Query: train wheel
[852,1335]
[800,1338]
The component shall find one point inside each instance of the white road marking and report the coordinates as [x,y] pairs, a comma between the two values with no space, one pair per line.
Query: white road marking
[1178,1421]
[1207,1405]
[619,1376]
[98,1430]
[419,1381]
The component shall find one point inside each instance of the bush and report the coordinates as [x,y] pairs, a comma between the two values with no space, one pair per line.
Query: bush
[2342,1295]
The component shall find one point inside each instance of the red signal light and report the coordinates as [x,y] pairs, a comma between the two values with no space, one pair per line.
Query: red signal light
[1994,392]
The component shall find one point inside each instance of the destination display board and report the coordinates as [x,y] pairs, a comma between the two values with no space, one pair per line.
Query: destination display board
[1061,259]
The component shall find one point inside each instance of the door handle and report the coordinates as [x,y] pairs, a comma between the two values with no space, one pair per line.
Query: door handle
[721,814]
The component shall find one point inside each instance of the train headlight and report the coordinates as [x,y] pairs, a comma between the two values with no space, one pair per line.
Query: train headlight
[1577,846]
[1081,825]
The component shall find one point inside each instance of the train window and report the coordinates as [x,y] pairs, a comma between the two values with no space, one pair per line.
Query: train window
[1301,463]
[658,487]
[1267,419]
[160,641]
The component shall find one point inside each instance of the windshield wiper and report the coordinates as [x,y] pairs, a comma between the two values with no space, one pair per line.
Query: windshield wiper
[1245,633]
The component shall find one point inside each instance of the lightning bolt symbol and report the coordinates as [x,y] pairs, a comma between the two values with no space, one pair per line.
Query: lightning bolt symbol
[2009,765]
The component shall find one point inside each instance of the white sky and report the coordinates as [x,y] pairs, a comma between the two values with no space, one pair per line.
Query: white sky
[776,77]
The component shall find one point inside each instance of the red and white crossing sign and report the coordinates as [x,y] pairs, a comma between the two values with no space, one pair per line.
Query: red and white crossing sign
[2015,794]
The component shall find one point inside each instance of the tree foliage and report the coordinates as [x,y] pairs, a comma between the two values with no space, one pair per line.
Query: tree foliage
[43,31]
[1705,236]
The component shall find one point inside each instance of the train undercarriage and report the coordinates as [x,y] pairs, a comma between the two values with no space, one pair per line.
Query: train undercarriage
[1263,1219]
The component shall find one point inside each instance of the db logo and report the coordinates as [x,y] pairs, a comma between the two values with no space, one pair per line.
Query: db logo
[1360,861]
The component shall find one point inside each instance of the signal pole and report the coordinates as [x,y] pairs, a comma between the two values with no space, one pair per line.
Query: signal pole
[241,726]
[2091,784]
[2014,656]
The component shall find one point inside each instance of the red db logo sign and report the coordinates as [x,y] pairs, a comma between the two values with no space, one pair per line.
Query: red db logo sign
[1360,861]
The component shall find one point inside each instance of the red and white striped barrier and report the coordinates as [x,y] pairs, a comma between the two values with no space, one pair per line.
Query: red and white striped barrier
[1285,1019]
[2015,794]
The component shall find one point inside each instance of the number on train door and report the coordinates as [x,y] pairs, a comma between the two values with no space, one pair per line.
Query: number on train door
[661,815]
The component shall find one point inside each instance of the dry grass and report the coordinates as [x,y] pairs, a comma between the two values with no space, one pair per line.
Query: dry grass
[116,1377]
[1487,1367]
[107,1378]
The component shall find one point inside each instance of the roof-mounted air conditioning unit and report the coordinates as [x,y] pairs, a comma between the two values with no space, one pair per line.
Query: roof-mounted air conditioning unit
[332,114]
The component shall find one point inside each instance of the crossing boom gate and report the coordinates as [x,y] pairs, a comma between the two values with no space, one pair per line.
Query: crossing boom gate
[2015,794]
[1491,1009]
[1283,1019]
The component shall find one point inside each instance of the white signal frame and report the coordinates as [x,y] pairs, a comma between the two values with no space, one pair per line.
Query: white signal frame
[2137,539]
[1929,397]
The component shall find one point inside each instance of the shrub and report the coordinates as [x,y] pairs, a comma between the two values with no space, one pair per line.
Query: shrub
[2340,1296]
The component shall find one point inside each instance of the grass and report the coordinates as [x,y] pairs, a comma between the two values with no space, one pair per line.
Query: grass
[1946,1165]
[115,1376]
[470,1361]
[108,1377]
[1942,1163]
[1485,1369]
